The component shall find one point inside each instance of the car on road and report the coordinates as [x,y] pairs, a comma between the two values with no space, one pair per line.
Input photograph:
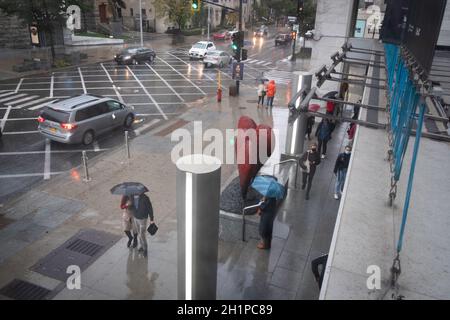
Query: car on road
[135,55]
[261,32]
[222,35]
[217,58]
[283,39]
[200,49]
[80,119]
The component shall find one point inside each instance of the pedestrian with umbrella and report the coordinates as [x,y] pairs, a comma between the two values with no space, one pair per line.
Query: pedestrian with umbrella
[142,209]
[271,190]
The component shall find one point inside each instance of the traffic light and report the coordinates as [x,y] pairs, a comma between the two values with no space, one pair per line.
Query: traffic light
[236,45]
[195,5]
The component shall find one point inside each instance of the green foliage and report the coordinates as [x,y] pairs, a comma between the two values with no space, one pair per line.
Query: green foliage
[175,11]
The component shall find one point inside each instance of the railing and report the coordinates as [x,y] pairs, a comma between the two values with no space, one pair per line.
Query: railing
[243,217]
[287,161]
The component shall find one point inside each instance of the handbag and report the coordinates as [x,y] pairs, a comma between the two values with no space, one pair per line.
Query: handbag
[152,228]
[307,164]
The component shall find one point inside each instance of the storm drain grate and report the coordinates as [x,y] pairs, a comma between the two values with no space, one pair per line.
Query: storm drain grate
[85,247]
[80,250]
[23,290]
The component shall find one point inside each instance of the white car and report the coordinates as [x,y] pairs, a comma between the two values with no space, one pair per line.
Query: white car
[200,49]
[217,58]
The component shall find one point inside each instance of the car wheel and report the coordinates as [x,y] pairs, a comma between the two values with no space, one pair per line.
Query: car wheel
[128,121]
[88,137]
[221,64]
[135,62]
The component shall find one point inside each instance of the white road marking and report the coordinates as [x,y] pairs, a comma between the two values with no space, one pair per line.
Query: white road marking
[165,82]
[30,103]
[13,97]
[5,116]
[20,119]
[7,94]
[139,130]
[18,85]
[148,94]
[119,96]
[52,82]
[51,151]
[155,114]
[260,62]
[267,63]
[82,81]
[146,104]
[41,105]
[19,132]
[23,100]
[47,159]
[251,60]
[107,74]
[25,175]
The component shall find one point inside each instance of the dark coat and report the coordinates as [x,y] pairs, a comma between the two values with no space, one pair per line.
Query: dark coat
[323,131]
[268,214]
[144,209]
[314,160]
[341,162]
[309,124]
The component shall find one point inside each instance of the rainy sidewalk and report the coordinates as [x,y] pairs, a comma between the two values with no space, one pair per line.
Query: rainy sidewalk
[54,212]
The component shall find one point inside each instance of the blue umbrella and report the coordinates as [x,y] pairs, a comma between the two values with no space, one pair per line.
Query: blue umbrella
[268,187]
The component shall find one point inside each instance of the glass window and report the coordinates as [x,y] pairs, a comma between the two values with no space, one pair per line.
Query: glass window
[131,12]
[113,106]
[55,115]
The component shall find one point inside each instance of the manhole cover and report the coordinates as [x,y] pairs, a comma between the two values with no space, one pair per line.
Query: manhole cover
[81,250]
[23,290]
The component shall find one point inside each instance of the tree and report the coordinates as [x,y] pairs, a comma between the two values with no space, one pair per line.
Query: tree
[115,4]
[175,11]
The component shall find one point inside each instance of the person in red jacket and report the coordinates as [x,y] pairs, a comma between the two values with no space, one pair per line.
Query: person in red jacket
[271,90]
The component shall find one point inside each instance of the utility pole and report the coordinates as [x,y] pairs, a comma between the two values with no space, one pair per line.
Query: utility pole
[209,18]
[299,12]
[242,40]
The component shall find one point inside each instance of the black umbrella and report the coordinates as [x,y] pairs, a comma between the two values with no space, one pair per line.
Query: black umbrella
[129,188]
[331,94]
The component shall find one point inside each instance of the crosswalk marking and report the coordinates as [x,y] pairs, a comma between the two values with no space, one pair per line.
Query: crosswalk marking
[260,62]
[31,103]
[13,97]
[267,63]
[279,76]
[6,94]
[41,105]
[22,100]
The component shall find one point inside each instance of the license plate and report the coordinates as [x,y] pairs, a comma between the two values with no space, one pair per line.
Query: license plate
[53,129]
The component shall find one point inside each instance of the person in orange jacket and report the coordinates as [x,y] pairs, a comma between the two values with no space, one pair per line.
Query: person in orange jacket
[271,90]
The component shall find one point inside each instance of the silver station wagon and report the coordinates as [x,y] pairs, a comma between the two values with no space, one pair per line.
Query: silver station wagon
[81,118]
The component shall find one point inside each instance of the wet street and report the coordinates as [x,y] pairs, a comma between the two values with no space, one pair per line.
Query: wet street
[159,92]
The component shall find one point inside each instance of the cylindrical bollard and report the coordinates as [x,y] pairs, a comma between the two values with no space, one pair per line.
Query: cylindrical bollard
[219,95]
[127,145]
[84,159]
[198,194]
[296,129]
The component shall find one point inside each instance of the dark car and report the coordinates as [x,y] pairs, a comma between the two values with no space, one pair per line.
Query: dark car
[135,56]
[283,38]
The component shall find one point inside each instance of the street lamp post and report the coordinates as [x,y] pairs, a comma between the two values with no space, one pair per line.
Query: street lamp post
[140,22]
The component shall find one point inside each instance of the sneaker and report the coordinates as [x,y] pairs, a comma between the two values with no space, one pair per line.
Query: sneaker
[323,156]
[336,196]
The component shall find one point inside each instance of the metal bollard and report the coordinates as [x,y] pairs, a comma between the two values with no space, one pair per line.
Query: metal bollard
[127,146]
[84,159]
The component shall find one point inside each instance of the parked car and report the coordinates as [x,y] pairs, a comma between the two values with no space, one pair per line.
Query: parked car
[217,58]
[283,38]
[135,55]
[81,118]
[222,35]
[200,49]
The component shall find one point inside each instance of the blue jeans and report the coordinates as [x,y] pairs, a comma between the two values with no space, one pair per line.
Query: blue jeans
[270,101]
[340,180]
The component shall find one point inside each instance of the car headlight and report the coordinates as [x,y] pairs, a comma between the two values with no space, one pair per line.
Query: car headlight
[126,57]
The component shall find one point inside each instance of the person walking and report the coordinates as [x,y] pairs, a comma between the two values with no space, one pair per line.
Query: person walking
[129,209]
[267,212]
[143,211]
[323,134]
[261,93]
[308,162]
[340,170]
[271,90]
[309,126]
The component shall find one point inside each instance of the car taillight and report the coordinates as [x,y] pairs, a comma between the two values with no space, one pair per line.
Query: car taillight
[40,119]
[68,126]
